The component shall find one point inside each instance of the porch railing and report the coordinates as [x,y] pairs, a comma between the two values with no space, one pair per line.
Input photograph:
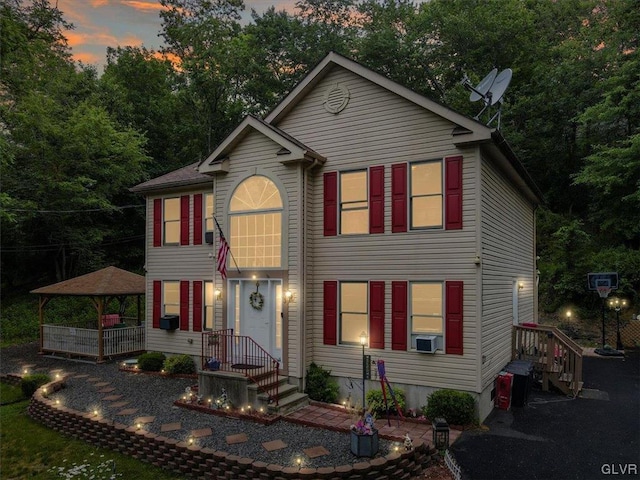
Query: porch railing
[553,353]
[224,351]
[85,341]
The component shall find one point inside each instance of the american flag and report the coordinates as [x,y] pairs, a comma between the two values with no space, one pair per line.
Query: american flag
[223,251]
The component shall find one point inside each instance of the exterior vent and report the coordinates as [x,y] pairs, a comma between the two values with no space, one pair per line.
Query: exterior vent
[426,344]
[208,238]
[336,99]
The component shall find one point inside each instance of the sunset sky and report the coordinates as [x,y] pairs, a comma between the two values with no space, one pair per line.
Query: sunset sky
[110,23]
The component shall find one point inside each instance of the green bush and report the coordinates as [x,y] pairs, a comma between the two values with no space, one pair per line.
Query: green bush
[375,402]
[179,364]
[30,383]
[320,386]
[457,408]
[151,361]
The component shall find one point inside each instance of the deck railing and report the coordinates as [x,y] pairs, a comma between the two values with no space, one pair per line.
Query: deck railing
[557,356]
[224,351]
[85,341]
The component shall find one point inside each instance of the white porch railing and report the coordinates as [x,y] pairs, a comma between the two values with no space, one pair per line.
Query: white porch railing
[85,341]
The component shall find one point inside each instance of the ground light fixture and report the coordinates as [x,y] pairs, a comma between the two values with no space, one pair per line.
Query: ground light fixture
[440,434]
[363,342]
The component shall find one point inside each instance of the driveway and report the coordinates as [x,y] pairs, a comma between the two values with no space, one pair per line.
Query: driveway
[596,435]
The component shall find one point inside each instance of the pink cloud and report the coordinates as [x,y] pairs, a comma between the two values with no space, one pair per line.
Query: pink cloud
[87,57]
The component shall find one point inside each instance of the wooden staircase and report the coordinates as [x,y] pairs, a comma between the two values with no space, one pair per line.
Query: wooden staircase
[247,372]
[555,356]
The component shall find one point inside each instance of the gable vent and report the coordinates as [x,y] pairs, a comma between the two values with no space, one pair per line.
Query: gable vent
[336,98]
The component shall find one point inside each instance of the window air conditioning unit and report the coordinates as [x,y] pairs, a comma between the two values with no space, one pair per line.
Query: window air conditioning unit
[169,322]
[426,344]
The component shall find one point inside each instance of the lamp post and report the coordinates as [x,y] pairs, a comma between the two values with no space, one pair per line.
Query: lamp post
[363,342]
[617,305]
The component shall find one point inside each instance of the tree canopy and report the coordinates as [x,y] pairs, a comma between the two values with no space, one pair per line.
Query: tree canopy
[73,141]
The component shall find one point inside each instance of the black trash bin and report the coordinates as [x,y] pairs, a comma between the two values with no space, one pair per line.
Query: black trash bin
[522,371]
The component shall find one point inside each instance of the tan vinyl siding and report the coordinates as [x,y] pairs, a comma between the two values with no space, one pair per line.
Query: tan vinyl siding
[379,128]
[254,155]
[508,253]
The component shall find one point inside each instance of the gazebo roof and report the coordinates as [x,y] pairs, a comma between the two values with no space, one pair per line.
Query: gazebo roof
[110,281]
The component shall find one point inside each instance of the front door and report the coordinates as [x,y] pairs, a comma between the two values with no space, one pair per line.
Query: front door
[257,312]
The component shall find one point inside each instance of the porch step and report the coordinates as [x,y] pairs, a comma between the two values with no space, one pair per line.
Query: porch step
[289,398]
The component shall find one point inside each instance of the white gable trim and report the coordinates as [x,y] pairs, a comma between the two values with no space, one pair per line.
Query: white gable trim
[332,59]
[291,150]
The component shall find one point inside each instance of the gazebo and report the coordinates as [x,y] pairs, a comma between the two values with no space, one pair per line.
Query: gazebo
[113,334]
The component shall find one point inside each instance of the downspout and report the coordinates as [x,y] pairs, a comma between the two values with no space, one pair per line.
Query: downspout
[303,266]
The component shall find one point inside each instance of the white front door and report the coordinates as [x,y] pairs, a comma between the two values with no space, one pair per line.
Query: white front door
[257,312]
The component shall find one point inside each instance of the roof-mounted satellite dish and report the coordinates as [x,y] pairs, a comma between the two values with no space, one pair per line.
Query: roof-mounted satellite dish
[500,85]
[490,90]
[483,87]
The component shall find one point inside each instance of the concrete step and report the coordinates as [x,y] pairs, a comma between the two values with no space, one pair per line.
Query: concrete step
[289,404]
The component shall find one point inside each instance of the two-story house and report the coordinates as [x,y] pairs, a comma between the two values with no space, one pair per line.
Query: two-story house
[355,206]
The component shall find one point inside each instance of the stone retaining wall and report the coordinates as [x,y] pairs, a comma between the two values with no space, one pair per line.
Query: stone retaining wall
[205,463]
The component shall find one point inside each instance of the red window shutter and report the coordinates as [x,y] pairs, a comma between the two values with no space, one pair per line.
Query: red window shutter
[453,319]
[157,222]
[330,313]
[453,193]
[399,315]
[197,306]
[184,220]
[399,197]
[376,199]
[184,305]
[376,315]
[157,303]
[197,219]
[330,204]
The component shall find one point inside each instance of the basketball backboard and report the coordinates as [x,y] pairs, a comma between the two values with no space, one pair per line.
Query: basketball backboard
[602,279]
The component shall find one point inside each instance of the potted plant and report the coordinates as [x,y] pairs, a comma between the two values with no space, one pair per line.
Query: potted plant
[364,437]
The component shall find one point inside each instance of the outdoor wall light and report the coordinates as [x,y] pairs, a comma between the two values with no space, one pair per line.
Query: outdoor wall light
[569,313]
[520,285]
[288,296]
[217,294]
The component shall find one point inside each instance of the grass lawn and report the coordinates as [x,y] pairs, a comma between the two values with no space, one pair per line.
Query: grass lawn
[30,450]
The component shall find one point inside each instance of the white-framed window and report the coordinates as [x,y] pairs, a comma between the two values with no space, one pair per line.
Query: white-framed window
[354,202]
[171,221]
[209,305]
[170,298]
[255,215]
[208,212]
[354,311]
[426,308]
[426,198]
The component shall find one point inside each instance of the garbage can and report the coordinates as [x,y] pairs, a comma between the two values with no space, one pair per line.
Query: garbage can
[522,371]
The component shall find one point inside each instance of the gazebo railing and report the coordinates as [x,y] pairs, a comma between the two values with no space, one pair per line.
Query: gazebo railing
[85,341]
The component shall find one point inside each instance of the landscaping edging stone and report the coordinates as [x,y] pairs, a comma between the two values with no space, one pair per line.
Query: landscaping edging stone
[198,462]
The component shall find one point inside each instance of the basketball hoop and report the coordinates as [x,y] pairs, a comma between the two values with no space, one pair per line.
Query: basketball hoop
[603,291]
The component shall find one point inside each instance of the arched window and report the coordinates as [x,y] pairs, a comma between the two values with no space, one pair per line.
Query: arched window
[255,214]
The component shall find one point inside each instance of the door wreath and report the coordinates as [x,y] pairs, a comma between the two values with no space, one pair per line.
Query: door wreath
[256,299]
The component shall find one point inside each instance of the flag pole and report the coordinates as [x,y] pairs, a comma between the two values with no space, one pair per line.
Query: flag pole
[222,236]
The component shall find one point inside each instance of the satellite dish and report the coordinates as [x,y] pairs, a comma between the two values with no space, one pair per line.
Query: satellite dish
[499,86]
[483,87]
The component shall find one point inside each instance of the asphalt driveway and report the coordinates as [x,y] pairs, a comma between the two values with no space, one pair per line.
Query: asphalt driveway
[596,435]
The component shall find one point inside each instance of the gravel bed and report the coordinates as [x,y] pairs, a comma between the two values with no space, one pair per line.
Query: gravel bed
[154,396]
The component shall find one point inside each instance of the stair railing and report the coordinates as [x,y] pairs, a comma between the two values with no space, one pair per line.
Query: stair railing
[551,351]
[224,351]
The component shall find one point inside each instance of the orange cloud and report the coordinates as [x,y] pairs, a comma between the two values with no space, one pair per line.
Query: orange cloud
[99,3]
[142,6]
[98,37]
[87,57]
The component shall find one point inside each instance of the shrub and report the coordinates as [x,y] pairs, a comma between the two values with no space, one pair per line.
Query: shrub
[457,408]
[320,386]
[375,402]
[30,383]
[151,361]
[179,364]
